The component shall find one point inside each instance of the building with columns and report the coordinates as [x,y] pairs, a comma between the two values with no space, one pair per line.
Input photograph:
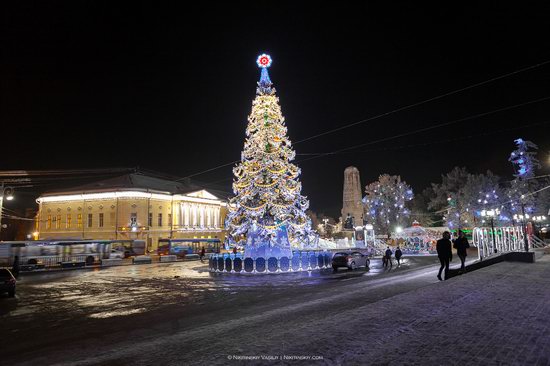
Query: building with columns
[132,206]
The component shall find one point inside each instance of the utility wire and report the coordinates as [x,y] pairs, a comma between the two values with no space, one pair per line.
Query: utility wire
[429,128]
[423,102]
[393,111]
[461,138]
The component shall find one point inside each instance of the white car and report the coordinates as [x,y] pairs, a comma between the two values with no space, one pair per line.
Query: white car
[116,254]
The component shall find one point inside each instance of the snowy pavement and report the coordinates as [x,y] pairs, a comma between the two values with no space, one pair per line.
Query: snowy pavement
[497,315]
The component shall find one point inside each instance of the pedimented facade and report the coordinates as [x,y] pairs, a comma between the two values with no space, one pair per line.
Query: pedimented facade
[132,206]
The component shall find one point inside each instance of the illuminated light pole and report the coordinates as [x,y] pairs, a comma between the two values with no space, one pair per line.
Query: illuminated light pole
[491,214]
[6,192]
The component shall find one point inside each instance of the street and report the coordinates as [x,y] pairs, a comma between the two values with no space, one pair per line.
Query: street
[179,313]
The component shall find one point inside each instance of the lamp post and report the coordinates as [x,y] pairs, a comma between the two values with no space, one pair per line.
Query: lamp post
[491,214]
[523,229]
[5,192]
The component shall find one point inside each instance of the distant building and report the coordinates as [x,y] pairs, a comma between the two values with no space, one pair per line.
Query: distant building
[352,207]
[131,206]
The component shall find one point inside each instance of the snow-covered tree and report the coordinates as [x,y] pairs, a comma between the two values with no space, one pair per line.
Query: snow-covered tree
[267,199]
[451,199]
[525,162]
[461,197]
[385,202]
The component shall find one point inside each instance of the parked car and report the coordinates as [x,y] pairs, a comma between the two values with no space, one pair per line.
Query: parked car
[351,260]
[7,282]
[117,254]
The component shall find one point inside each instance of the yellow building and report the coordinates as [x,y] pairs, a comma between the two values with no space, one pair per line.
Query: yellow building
[132,206]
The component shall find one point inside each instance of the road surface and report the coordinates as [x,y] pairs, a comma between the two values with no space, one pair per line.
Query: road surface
[180,314]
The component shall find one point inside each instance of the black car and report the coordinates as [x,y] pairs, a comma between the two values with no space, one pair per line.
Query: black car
[7,282]
[350,260]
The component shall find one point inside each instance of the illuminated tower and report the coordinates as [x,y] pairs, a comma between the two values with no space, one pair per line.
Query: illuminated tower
[352,206]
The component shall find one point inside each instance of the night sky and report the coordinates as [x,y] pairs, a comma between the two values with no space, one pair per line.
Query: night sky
[89,84]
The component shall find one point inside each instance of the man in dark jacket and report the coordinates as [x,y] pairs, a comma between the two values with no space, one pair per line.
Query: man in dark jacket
[461,244]
[444,253]
[398,255]
[388,257]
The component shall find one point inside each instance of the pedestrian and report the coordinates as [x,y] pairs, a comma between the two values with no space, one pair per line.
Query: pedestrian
[15,267]
[202,254]
[398,254]
[235,250]
[461,244]
[444,253]
[388,257]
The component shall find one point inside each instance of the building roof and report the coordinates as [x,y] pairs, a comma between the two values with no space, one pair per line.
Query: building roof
[134,182]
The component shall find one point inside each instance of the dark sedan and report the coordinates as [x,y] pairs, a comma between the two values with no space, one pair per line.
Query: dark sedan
[350,260]
[7,282]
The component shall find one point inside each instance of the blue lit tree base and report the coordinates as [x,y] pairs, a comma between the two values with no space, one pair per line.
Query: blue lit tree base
[267,247]
[298,261]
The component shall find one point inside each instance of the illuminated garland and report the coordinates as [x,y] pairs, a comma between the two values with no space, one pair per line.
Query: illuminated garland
[265,173]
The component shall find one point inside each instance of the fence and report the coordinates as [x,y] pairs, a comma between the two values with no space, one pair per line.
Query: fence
[500,240]
[300,261]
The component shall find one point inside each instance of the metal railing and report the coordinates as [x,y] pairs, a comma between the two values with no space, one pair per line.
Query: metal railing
[500,240]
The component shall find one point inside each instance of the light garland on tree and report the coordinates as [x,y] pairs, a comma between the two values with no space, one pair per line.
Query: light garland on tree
[385,200]
[266,187]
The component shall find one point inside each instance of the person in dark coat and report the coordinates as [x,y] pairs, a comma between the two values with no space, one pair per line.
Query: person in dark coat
[15,268]
[398,255]
[444,253]
[387,255]
[202,254]
[461,244]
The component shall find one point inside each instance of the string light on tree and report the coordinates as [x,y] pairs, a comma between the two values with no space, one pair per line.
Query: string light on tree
[268,207]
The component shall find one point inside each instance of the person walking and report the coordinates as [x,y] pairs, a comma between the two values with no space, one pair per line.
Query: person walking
[388,257]
[15,267]
[461,244]
[202,254]
[398,255]
[444,253]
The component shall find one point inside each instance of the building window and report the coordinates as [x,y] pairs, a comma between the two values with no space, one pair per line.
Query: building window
[169,220]
[160,219]
[112,220]
[101,219]
[133,219]
[49,222]
[150,220]
[90,220]
[69,220]
[79,221]
[58,222]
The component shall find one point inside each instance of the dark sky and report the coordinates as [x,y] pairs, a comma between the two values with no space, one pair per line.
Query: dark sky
[90,84]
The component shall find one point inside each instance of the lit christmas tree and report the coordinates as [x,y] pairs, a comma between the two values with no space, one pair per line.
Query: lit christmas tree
[267,208]
[385,202]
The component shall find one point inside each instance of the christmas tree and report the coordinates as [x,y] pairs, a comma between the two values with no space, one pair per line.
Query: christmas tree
[268,208]
[385,202]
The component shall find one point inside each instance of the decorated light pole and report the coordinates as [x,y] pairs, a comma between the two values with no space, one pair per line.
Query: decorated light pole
[7,193]
[491,214]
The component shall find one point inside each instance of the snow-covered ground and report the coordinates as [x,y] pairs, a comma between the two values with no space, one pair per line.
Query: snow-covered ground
[497,315]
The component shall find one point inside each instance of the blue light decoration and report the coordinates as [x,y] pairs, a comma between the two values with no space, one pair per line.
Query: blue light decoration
[523,160]
[525,163]
[264,85]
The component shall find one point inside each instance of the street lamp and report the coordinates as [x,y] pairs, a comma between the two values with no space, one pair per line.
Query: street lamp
[6,192]
[491,214]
